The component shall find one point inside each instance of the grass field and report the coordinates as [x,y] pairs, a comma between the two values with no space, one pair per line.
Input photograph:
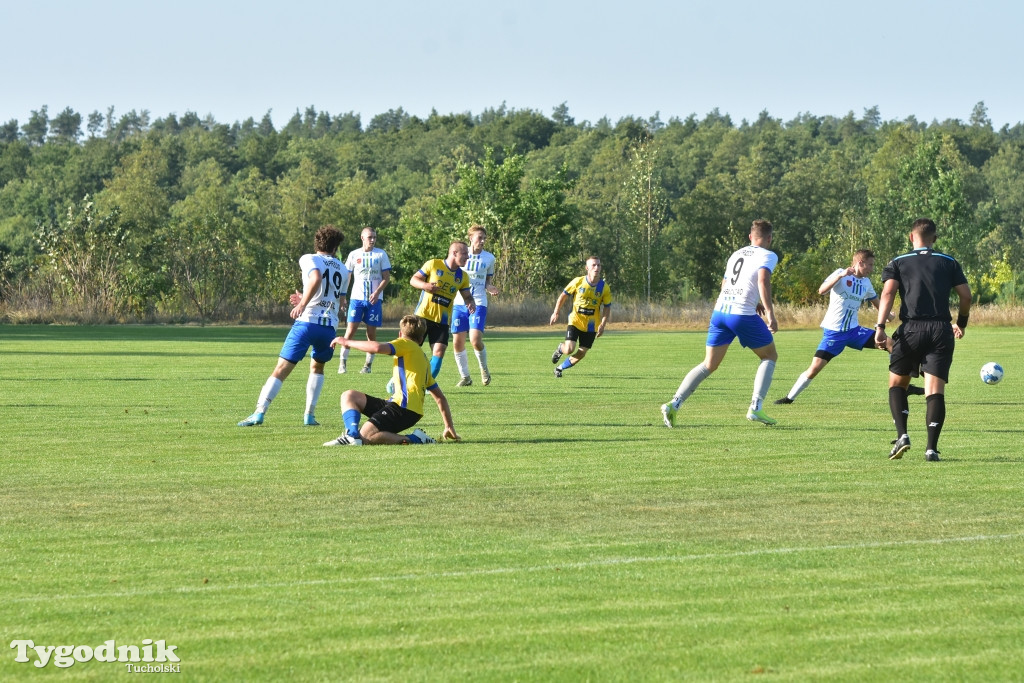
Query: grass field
[571,536]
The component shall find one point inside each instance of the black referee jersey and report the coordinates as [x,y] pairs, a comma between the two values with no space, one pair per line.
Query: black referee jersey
[926,278]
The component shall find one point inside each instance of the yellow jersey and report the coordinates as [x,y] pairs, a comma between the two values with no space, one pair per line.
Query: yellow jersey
[587,303]
[438,306]
[411,375]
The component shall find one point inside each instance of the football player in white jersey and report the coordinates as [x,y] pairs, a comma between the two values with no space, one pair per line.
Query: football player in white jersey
[371,273]
[848,289]
[746,293]
[324,283]
[480,267]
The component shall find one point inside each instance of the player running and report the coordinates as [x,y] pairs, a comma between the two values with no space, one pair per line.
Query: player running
[590,313]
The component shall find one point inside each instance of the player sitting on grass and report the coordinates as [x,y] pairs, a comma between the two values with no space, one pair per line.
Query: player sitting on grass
[412,379]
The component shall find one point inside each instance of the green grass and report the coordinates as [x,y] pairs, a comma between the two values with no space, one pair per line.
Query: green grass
[570,536]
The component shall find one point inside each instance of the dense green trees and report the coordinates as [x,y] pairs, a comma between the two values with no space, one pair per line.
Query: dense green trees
[187,217]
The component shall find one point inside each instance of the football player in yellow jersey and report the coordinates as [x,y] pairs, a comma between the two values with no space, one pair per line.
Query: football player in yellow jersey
[412,378]
[439,280]
[591,311]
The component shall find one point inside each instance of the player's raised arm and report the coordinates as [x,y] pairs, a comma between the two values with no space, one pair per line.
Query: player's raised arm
[365,346]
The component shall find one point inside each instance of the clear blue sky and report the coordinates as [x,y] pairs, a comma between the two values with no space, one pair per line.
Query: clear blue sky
[932,60]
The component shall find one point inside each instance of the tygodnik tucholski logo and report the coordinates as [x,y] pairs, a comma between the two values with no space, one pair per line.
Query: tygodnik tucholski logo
[151,657]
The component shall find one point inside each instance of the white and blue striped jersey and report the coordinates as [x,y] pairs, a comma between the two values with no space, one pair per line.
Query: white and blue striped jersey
[739,295]
[324,307]
[479,266]
[367,268]
[844,301]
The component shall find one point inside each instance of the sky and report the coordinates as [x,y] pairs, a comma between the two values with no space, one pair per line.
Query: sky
[672,58]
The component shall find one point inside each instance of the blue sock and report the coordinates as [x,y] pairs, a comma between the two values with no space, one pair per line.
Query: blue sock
[435,365]
[351,418]
[566,364]
[413,438]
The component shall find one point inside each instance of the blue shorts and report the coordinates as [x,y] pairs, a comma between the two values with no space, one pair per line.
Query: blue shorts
[834,342]
[362,311]
[462,321]
[302,336]
[724,327]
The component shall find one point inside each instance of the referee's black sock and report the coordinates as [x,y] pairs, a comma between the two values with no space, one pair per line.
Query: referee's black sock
[935,414]
[899,408]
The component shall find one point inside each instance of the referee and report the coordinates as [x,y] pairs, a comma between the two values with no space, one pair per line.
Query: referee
[924,278]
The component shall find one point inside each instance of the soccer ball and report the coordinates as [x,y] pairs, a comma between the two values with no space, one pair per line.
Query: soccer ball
[991,373]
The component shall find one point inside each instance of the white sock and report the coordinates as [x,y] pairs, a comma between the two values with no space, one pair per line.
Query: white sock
[481,357]
[692,380]
[369,359]
[762,381]
[462,362]
[314,385]
[267,394]
[801,383]
[344,353]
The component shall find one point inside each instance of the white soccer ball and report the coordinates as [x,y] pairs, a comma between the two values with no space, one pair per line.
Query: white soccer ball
[991,373]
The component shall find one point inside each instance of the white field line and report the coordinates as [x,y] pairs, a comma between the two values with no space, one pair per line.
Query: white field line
[427,576]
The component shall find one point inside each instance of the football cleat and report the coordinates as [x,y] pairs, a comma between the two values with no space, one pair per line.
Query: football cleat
[466,381]
[366,370]
[668,414]
[932,456]
[785,400]
[485,377]
[341,367]
[759,416]
[900,446]
[309,420]
[558,372]
[422,436]
[252,420]
[914,390]
[345,440]
[557,355]
[390,388]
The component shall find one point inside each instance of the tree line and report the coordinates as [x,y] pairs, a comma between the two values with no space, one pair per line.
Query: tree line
[185,217]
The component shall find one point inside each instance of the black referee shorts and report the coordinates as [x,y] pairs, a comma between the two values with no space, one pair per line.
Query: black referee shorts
[925,343]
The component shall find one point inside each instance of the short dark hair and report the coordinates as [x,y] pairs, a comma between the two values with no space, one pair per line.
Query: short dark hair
[925,227]
[761,228]
[328,239]
[862,254]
